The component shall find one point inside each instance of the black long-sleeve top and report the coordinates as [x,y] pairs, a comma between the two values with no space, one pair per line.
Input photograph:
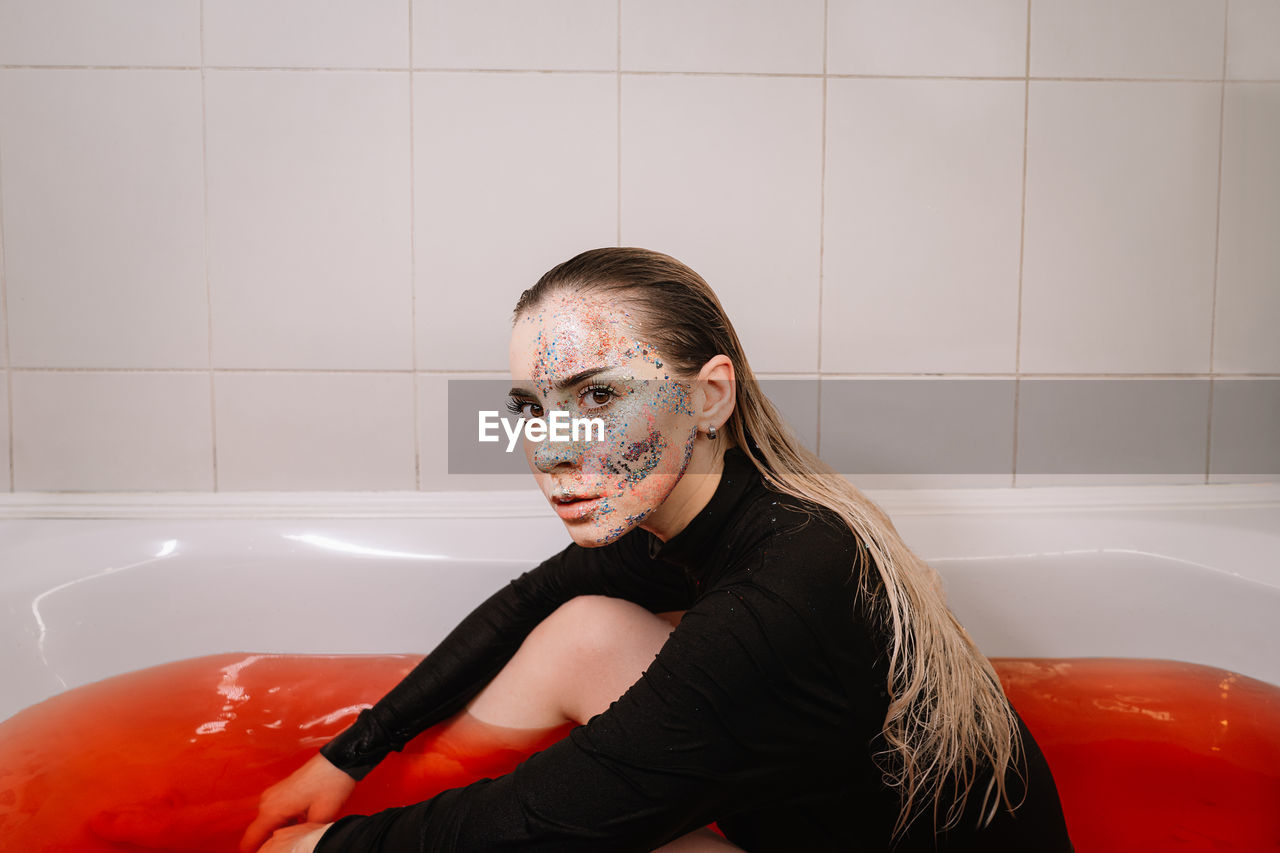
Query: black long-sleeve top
[761,711]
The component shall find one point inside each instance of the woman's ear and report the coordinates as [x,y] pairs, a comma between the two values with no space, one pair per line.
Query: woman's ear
[716,382]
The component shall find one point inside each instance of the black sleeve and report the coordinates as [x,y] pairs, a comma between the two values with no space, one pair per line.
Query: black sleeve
[473,653]
[737,698]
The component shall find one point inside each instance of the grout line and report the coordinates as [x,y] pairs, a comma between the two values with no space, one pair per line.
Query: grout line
[208,290]
[413,267]
[1036,376]
[215,370]
[476,374]
[4,308]
[203,67]
[1217,235]
[20,67]
[822,213]
[796,373]
[619,128]
[440,70]
[804,75]
[1022,247]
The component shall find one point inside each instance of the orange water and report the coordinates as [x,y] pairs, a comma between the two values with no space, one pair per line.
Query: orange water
[1148,755]
[1155,755]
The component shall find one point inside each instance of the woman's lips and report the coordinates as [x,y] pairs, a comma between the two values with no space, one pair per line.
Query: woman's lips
[575,509]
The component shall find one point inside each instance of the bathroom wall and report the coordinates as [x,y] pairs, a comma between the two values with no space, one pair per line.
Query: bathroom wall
[246,244]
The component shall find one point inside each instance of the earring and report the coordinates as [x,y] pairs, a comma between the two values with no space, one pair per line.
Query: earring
[711,433]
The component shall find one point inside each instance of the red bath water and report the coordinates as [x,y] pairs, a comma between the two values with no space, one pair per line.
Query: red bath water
[1148,755]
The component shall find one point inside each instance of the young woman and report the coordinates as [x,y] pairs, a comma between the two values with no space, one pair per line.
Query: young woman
[742,635]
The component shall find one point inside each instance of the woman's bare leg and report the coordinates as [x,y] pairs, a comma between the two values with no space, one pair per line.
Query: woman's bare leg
[573,666]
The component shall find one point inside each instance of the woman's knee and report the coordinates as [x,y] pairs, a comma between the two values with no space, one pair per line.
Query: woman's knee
[599,646]
[599,626]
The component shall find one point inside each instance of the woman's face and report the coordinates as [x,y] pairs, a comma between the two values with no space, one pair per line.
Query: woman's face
[579,355]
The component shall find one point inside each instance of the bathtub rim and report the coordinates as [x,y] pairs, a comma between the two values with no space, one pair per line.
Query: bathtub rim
[529,503]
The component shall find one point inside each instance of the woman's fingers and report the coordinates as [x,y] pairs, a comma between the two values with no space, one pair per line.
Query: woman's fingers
[275,812]
[261,829]
[314,792]
[296,839]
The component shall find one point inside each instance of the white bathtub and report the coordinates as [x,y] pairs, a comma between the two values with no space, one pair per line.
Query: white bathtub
[96,586]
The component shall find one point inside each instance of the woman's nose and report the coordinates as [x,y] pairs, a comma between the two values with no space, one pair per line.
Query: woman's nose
[550,454]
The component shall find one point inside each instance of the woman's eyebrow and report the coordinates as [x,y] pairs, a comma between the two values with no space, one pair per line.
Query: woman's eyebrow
[561,384]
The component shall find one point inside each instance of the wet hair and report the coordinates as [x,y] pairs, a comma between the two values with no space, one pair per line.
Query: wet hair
[948,719]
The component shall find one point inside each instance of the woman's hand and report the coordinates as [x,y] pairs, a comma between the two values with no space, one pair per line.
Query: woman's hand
[314,792]
[296,839]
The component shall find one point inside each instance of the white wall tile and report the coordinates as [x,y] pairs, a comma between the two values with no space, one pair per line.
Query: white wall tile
[6,482]
[969,38]
[1248,300]
[1135,38]
[1252,48]
[1120,221]
[104,218]
[326,431]
[722,35]
[309,238]
[514,173]
[724,173]
[1246,422]
[105,431]
[516,34]
[302,33]
[919,432]
[924,202]
[1112,431]
[90,32]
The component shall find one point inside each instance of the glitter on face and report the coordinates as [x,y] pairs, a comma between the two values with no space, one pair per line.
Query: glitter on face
[649,420]
[638,459]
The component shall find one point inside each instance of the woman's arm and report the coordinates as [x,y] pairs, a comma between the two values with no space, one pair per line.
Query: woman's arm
[740,694]
[474,652]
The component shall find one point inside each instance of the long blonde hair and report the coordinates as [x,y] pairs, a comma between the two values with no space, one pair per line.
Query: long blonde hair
[948,716]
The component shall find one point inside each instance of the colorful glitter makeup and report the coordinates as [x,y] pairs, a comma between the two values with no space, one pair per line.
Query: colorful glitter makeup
[579,354]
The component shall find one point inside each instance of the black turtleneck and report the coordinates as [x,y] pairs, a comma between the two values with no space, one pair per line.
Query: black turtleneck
[761,712]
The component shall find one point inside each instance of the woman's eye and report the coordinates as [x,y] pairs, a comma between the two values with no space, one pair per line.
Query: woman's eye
[597,398]
[524,409]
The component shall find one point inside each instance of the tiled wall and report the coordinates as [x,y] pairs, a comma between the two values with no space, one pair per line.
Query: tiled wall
[246,243]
